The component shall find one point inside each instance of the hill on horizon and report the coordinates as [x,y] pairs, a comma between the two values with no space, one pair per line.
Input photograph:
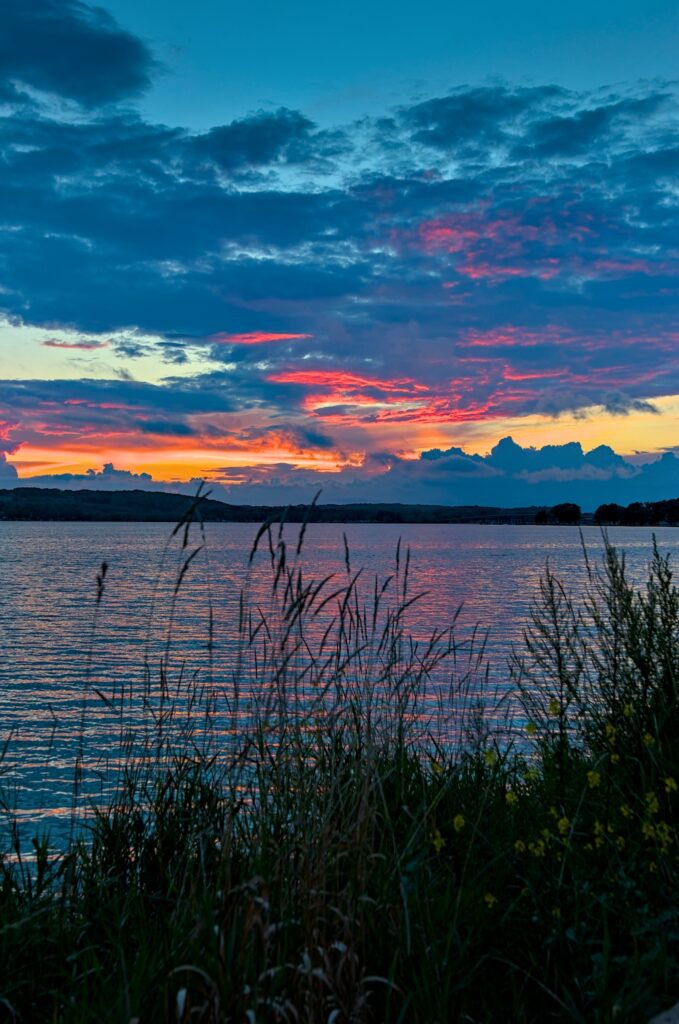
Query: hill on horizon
[44,503]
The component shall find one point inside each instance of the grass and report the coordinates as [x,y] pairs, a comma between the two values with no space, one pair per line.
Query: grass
[345,838]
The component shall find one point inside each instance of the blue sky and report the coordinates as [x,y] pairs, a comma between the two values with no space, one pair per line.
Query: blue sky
[278,251]
[340,61]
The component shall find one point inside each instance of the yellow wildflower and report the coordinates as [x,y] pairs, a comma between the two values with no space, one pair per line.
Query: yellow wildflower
[620,842]
[628,710]
[610,733]
[511,797]
[436,768]
[598,828]
[438,842]
[553,813]
[458,822]
[554,707]
[626,810]
[490,900]
[563,825]
[670,784]
[652,803]
[556,912]
[649,740]
[615,758]
[537,848]
[520,846]
[531,728]
[490,756]
[648,830]
[653,867]
[593,779]
[663,834]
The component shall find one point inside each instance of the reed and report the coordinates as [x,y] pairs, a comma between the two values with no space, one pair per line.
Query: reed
[360,830]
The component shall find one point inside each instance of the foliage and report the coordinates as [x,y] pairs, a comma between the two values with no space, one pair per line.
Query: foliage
[639,513]
[90,504]
[565,514]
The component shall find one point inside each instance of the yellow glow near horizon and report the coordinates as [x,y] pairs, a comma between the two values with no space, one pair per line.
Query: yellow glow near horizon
[25,356]
[178,464]
[627,435]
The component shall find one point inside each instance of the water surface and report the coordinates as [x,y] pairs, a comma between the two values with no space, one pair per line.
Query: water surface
[59,651]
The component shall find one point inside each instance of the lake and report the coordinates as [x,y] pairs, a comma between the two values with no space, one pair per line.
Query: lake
[57,647]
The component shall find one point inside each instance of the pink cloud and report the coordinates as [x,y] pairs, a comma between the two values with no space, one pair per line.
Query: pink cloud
[256,338]
[83,346]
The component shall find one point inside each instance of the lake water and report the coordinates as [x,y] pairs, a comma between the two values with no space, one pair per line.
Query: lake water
[55,653]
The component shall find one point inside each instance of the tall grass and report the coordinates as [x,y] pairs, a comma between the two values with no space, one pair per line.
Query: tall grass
[357,830]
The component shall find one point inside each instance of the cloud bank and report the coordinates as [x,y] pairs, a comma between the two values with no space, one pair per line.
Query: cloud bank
[509,476]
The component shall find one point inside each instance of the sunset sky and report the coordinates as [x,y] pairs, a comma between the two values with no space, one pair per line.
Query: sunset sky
[356,247]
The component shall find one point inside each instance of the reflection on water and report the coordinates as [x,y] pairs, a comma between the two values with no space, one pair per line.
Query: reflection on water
[58,656]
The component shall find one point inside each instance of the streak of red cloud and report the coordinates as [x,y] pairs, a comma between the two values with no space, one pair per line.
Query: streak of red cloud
[518,376]
[339,379]
[119,406]
[347,398]
[466,229]
[479,271]
[512,337]
[83,346]
[620,268]
[255,338]
[7,446]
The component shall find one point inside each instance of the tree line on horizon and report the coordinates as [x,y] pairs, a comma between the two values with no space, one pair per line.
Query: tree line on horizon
[639,513]
[41,503]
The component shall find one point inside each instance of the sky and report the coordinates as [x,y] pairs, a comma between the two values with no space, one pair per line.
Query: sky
[394,254]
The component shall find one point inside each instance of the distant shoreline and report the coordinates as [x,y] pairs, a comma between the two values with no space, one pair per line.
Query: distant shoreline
[45,504]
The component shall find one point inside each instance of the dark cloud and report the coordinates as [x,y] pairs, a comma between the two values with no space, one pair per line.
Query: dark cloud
[87,410]
[616,403]
[473,115]
[525,476]
[7,471]
[165,428]
[578,133]
[261,139]
[72,49]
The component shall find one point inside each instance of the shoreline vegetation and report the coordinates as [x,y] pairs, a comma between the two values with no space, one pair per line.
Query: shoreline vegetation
[47,504]
[343,839]
[89,505]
